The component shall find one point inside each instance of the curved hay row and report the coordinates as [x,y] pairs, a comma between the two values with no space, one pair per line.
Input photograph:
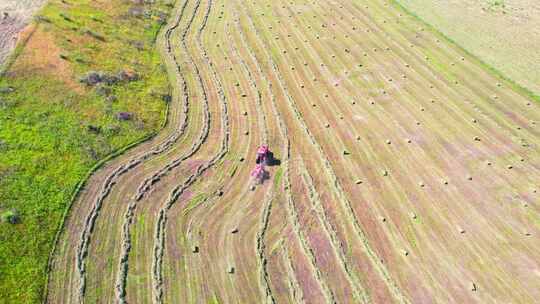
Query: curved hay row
[110,181]
[376,262]
[268,199]
[359,292]
[147,184]
[159,241]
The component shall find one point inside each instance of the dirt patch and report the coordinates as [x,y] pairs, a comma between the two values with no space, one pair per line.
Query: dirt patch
[14,17]
[42,55]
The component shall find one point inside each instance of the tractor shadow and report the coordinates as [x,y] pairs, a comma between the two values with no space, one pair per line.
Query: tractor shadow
[272,160]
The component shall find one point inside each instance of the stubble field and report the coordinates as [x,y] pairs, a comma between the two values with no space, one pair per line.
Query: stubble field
[409,173]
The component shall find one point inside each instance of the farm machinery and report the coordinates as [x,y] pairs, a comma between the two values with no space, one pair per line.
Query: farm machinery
[259,174]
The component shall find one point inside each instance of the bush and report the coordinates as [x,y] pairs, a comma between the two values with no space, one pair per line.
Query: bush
[10,216]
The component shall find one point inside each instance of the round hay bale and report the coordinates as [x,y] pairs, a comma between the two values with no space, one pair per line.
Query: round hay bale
[245,113]
[345,152]
[509,167]
[382,219]
[384,173]
[476,138]
[472,286]
[408,140]
[460,229]
[195,249]
[358,137]
[469,177]
[358,181]
[404,252]
[445,182]
[327,125]
[421,184]
[488,163]
[246,132]
[230,269]
[474,120]
[388,142]
[241,159]
[412,215]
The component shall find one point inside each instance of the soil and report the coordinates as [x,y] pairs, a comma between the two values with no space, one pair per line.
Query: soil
[14,17]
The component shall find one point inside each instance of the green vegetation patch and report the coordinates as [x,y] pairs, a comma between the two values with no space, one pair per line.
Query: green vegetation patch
[54,129]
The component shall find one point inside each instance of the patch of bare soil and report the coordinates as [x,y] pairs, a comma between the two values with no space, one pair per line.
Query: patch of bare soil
[14,16]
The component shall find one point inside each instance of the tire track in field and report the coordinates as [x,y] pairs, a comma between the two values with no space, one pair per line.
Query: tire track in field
[375,261]
[293,215]
[149,182]
[359,292]
[159,236]
[264,281]
[111,180]
[294,286]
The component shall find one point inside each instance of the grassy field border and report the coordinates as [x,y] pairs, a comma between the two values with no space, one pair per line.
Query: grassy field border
[116,153]
[514,85]
[76,192]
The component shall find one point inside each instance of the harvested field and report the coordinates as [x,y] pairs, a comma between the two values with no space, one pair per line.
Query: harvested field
[408,172]
[503,33]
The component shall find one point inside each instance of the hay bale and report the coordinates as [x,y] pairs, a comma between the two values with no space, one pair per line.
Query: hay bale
[445,182]
[404,252]
[384,173]
[195,249]
[388,142]
[412,215]
[472,286]
[327,125]
[234,230]
[421,184]
[241,159]
[246,132]
[345,152]
[358,181]
[409,140]
[460,229]
[358,137]
[488,163]
[469,177]
[382,219]
[245,113]
[476,138]
[509,167]
[474,120]
[230,269]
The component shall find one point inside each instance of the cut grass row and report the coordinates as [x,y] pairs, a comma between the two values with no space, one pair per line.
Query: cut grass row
[48,146]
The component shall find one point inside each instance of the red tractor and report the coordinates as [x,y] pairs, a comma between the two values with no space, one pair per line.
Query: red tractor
[263,155]
[258,174]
